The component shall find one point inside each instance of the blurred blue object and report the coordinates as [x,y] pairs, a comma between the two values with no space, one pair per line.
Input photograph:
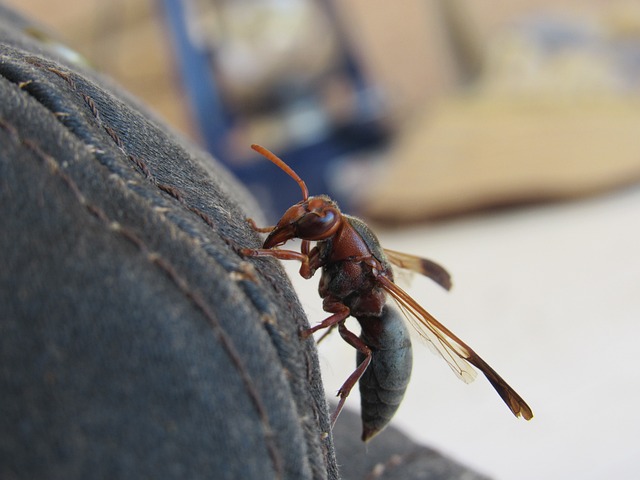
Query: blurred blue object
[311,138]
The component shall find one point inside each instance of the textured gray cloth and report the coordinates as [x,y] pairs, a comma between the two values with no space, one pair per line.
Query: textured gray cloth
[134,341]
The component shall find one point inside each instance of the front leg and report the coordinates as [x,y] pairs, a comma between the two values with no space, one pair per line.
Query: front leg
[275,253]
[256,228]
[310,262]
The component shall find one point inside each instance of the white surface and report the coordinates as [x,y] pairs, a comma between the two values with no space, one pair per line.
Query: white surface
[547,295]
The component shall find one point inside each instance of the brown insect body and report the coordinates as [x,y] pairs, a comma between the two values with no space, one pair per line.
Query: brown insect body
[350,267]
[356,278]
[351,281]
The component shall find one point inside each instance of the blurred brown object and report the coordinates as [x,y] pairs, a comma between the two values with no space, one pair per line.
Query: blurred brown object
[568,131]
[472,154]
[554,115]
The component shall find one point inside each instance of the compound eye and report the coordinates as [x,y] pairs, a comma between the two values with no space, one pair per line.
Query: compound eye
[314,226]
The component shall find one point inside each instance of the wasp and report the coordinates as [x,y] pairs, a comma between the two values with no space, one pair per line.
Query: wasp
[356,280]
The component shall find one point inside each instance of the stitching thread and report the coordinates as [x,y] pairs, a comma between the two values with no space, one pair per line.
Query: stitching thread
[137,161]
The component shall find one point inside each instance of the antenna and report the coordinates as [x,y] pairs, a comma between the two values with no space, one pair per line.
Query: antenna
[283,166]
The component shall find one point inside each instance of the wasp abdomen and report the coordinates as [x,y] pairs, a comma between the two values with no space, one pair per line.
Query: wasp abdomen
[383,384]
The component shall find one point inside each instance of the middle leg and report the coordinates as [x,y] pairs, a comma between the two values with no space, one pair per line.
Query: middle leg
[357,343]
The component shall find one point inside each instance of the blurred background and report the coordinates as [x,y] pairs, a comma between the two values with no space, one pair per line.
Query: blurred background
[497,138]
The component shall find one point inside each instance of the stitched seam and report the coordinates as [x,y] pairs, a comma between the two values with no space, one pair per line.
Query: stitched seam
[137,161]
[242,271]
[167,268]
[240,274]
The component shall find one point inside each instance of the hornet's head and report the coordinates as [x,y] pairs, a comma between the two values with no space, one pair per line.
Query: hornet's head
[314,218]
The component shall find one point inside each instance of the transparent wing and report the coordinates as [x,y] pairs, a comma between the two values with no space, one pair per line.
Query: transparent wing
[436,341]
[458,355]
[420,265]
